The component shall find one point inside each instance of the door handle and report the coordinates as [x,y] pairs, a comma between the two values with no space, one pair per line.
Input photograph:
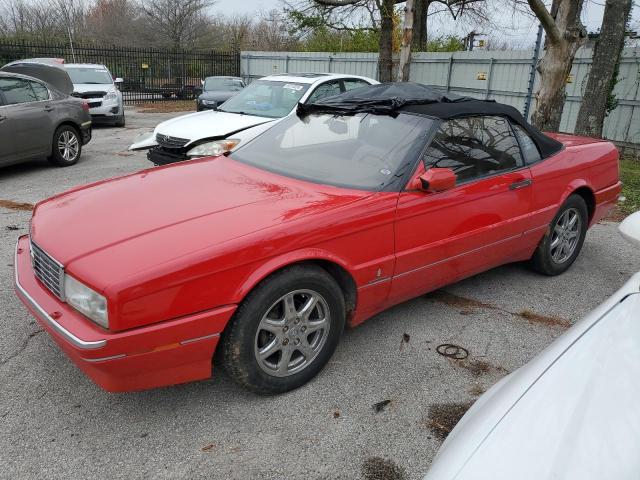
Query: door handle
[2,119]
[518,184]
[48,108]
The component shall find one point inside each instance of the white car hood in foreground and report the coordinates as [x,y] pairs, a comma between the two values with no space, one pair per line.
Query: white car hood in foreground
[571,413]
[199,125]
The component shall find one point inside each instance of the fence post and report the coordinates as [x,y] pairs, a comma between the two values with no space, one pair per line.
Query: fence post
[449,72]
[532,74]
[330,59]
[486,95]
[286,64]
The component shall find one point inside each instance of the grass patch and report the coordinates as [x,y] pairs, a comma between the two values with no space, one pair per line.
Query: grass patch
[166,106]
[630,176]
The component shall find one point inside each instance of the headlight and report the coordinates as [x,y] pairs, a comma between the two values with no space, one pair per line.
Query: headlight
[110,96]
[211,149]
[209,102]
[86,301]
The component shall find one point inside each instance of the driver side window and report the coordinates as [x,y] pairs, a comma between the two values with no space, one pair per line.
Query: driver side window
[474,147]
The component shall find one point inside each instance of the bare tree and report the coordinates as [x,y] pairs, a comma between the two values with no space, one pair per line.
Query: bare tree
[180,21]
[472,9]
[565,34]
[602,77]
[115,22]
[381,17]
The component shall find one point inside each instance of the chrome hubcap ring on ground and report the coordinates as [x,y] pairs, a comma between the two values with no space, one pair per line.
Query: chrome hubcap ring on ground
[565,235]
[68,145]
[292,333]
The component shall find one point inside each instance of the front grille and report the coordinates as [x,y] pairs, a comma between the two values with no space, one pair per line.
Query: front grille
[94,104]
[89,94]
[48,271]
[161,156]
[171,142]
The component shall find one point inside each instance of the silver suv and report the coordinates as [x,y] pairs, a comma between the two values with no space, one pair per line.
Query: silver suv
[95,84]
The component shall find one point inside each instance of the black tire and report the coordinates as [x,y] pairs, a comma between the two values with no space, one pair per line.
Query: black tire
[546,260]
[243,336]
[60,157]
[120,121]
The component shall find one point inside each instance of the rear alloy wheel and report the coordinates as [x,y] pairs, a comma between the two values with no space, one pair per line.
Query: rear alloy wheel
[563,241]
[67,147]
[285,331]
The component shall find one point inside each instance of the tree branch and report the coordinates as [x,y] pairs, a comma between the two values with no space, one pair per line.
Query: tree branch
[548,23]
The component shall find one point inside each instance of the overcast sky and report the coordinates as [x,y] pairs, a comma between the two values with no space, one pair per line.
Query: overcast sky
[517,29]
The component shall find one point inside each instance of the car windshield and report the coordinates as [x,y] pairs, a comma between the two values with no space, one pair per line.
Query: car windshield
[213,84]
[89,75]
[266,99]
[364,151]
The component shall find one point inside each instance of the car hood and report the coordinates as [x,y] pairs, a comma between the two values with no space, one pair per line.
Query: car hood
[168,212]
[93,87]
[208,124]
[218,96]
[570,413]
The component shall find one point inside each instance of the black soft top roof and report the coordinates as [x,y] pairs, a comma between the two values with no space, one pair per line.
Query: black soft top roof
[393,98]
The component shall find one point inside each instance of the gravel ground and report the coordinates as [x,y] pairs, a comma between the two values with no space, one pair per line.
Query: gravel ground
[369,414]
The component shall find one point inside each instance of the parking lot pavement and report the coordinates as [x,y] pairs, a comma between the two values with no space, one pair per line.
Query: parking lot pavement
[369,414]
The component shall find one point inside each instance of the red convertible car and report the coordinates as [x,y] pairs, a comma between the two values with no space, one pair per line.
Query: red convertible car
[357,203]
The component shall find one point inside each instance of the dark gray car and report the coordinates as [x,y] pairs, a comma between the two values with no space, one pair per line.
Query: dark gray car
[38,117]
[217,90]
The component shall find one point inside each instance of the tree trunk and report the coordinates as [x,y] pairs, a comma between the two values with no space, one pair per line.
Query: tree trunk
[602,77]
[419,41]
[404,66]
[565,34]
[385,56]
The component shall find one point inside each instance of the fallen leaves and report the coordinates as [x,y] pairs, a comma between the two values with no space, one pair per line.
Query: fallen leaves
[11,205]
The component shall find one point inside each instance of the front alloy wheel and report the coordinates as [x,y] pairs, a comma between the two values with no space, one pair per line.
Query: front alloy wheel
[285,330]
[292,333]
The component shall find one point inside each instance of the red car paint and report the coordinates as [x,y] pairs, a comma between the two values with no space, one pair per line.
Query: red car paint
[175,249]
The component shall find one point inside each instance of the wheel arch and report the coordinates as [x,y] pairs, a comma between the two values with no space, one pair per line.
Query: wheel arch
[336,267]
[70,123]
[584,190]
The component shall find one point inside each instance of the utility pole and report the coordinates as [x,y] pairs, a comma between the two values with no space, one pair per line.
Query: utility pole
[73,53]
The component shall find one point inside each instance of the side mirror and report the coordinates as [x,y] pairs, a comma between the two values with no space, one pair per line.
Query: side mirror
[118,80]
[630,228]
[437,180]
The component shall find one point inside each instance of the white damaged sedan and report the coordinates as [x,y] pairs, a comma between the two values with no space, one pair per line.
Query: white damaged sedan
[242,117]
[570,413]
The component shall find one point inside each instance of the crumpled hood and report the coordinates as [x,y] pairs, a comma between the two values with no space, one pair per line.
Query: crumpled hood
[208,124]
[160,214]
[48,70]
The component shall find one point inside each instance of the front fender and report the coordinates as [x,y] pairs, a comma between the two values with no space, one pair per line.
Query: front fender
[289,258]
